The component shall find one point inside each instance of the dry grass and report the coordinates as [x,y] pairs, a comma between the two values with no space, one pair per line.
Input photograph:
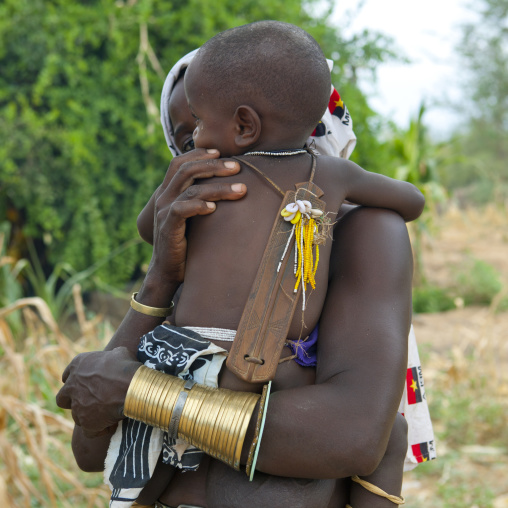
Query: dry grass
[36,463]
[465,361]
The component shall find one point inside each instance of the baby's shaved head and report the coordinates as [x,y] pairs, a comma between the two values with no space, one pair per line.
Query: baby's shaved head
[268,63]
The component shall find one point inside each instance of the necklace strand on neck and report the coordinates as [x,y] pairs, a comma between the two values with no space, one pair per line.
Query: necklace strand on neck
[278,153]
[247,163]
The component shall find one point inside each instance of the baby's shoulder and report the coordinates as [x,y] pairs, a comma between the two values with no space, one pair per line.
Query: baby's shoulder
[332,167]
[331,176]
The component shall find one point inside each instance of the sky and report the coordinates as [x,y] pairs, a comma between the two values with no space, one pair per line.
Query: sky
[428,33]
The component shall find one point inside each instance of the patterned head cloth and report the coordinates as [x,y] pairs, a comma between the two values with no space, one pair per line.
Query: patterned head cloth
[333,136]
[170,82]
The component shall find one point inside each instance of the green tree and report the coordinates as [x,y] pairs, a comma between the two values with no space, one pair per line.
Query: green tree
[483,51]
[80,83]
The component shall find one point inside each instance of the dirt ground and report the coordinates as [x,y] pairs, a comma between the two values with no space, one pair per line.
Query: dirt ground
[470,341]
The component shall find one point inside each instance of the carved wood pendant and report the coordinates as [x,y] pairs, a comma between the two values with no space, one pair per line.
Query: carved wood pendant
[271,305]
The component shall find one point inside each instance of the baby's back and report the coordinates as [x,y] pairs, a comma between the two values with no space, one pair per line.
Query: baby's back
[226,247]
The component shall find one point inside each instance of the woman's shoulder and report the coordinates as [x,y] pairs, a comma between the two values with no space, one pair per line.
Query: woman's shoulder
[371,238]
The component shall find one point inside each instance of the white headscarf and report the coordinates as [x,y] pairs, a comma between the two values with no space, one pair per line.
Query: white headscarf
[333,136]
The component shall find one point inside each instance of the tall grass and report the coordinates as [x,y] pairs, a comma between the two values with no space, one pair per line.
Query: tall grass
[467,389]
[37,468]
[465,362]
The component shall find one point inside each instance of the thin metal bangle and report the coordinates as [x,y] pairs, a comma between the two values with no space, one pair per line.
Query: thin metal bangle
[150,311]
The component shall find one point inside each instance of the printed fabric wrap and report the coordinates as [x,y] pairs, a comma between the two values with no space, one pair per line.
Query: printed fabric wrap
[414,407]
[135,447]
[334,134]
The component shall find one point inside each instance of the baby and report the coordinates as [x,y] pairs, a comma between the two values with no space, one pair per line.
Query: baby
[257,92]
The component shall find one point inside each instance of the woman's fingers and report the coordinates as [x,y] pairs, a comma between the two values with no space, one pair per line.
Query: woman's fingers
[198,155]
[200,199]
[197,169]
[215,191]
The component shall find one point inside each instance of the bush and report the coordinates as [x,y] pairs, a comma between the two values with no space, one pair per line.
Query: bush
[478,282]
[432,299]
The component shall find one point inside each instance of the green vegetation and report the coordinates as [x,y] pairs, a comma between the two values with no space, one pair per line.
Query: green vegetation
[476,283]
[80,84]
[429,298]
[480,174]
[479,282]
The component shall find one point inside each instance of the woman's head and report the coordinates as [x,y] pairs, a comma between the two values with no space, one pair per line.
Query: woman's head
[174,82]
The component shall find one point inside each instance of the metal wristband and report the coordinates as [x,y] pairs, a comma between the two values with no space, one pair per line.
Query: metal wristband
[176,414]
[150,311]
[214,420]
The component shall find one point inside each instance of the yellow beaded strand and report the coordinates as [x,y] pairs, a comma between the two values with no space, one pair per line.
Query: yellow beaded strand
[304,244]
[316,264]
[298,240]
[303,217]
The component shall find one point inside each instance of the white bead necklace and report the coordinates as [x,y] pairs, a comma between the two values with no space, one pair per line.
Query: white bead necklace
[278,153]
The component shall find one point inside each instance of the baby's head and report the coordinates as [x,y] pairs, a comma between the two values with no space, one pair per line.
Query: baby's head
[260,86]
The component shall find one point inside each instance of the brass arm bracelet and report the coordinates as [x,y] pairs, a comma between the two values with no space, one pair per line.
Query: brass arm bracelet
[252,458]
[380,492]
[150,311]
[214,420]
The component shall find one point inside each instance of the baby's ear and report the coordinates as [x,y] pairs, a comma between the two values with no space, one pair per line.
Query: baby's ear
[247,125]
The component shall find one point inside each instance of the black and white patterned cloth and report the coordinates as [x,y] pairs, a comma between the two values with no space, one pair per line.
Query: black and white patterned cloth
[135,447]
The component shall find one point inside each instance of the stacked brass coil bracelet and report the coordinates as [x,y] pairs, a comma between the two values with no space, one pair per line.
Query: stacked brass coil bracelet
[214,420]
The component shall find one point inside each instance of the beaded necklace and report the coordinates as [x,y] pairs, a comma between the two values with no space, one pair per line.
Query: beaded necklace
[278,153]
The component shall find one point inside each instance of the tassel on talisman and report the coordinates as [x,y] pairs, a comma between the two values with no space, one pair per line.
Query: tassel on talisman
[310,229]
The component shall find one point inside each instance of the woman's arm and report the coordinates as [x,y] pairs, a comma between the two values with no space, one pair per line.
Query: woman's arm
[95,382]
[341,425]
[375,190]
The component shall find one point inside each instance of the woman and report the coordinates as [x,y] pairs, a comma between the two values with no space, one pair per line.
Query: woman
[382,232]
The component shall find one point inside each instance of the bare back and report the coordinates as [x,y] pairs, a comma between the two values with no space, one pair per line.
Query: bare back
[226,247]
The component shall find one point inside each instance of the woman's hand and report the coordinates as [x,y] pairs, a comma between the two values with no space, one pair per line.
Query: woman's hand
[95,387]
[163,220]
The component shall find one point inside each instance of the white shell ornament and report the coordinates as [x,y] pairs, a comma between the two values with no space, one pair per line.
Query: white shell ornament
[294,211]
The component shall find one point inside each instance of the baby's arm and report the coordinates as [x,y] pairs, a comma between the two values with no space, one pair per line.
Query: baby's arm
[388,475]
[371,189]
[145,220]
